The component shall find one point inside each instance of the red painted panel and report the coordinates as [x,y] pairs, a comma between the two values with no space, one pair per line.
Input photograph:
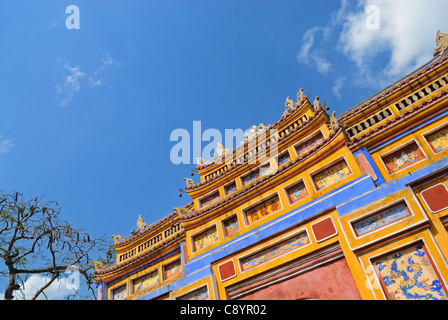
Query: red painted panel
[436,197]
[332,281]
[226,270]
[323,229]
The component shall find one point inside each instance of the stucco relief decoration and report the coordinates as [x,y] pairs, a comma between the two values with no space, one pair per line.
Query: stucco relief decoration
[310,144]
[403,158]
[442,44]
[331,175]
[408,274]
[438,140]
[275,251]
[200,294]
[231,226]
[205,239]
[173,269]
[146,281]
[297,192]
[263,210]
[381,219]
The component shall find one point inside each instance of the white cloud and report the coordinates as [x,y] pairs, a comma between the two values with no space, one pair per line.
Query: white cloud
[58,290]
[70,85]
[407,31]
[338,83]
[94,80]
[404,41]
[314,57]
[5,145]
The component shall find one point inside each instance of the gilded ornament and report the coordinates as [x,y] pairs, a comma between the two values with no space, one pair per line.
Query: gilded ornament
[442,44]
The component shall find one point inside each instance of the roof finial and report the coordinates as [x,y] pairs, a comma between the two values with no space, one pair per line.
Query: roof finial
[442,44]
[289,104]
[140,223]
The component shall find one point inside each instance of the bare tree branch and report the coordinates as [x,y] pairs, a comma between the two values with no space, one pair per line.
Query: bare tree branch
[35,240]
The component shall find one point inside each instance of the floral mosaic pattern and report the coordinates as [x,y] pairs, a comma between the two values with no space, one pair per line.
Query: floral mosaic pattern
[172,269]
[408,274]
[120,293]
[284,158]
[310,144]
[331,175]
[403,158]
[297,192]
[438,140]
[146,281]
[205,239]
[382,218]
[210,199]
[231,226]
[231,188]
[200,294]
[275,251]
[262,210]
[256,174]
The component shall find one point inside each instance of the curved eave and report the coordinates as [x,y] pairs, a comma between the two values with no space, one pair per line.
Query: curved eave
[337,140]
[283,122]
[148,232]
[113,271]
[402,122]
[206,186]
[394,92]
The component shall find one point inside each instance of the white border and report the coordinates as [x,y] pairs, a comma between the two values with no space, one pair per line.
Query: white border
[271,171]
[285,237]
[227,218]
[325,167]
[112,289]
[209,194]
[234,268]
[409,243]
[292,184]
[281,154]
[251,206]
[162,268]
[427,133]
[192,290]
[228,184]
[354,220]
[202,231]
[328,237]
[404,145]
[132,279]
[309,137]
[427,203]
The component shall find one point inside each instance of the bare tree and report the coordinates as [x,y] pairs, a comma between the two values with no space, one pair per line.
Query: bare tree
[35,240]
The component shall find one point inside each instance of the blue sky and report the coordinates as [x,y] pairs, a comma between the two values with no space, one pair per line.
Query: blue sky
[86,114]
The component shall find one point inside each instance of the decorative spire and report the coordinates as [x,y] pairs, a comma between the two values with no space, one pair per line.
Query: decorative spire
[316,104]
[442,44]
[189,181]
[140,223]
[289,105]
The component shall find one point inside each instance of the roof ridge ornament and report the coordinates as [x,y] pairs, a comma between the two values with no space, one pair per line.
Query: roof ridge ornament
[442,44]
[289,105]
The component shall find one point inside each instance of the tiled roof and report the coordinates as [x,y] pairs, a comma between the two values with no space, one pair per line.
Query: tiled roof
[398,85]
[237,166]
[116,267]
[285,116]
[260,181]
[399,118]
